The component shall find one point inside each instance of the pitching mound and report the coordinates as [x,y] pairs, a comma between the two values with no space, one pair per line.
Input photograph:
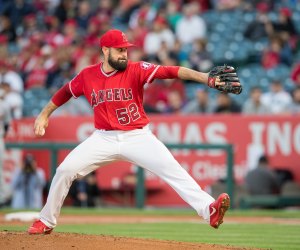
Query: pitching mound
[17,240]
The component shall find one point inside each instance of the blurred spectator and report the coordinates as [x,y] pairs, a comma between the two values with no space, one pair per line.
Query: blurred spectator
[271,55]
[30,26]
[226,105]
[16,10]
[277,99]
[47,58]
[27,185]
[136,55]
[5,119]
[295,106]
[175,102]
[30,55]
[200,104]
[37,77]
[254,105]
[104,10]
[259,27]
[13,100]
[63,58]
[65,10]
[88,56]
[138,32]
[191,26]
[227,4]
[125,10]
[39,37]
[156,94]
[84,14]
[159,34]
[295,74]
[173,14]
[199,58]
[93,32]
[284,24]
[6,29]
[142,13]
[262,180]
[62,75]
[85,192]
[52,34]
[70,32]
[11,77]
[285,29]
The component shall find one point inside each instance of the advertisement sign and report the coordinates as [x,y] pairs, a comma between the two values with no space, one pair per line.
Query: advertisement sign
[251,136]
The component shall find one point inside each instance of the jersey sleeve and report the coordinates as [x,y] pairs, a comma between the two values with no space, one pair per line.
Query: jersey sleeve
[76,85]
[149,72]
[146,71]
[62,95]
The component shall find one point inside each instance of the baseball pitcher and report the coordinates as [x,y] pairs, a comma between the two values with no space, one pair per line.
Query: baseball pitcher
[114,88]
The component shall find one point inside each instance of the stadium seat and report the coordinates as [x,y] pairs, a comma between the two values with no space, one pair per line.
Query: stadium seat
[281,72]
[34,100]
[190,90]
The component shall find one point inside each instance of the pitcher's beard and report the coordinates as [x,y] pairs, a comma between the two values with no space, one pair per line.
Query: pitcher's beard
[117,64]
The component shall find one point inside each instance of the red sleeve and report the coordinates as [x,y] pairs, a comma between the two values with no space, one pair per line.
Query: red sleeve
[76,85]
[167,72]
[62,95]
[73,88]
[149,72]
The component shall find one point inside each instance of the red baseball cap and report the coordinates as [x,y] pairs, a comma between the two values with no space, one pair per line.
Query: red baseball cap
[114,39]
[285,12]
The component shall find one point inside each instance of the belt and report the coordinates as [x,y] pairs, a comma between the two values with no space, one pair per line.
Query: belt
[102,129]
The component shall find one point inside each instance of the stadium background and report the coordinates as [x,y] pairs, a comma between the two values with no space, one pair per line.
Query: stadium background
[47,42]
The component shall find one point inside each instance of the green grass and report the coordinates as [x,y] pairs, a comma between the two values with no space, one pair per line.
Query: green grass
[244,235]
[276,213]
[270,236]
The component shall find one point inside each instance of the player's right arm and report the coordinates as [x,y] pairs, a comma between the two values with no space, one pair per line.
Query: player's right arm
[59,98]
[41,122]
[72,89]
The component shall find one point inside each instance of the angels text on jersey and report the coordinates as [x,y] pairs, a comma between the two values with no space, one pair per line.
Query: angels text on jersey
[110,95]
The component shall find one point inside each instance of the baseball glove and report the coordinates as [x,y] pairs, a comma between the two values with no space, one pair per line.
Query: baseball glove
[228,75]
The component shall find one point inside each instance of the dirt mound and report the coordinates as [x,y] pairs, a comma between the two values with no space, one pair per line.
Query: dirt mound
[65,241]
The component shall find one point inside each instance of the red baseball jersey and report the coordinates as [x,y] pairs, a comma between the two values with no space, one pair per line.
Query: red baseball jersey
[117,97]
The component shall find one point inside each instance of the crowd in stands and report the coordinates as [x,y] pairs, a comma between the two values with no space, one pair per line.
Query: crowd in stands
[44,44]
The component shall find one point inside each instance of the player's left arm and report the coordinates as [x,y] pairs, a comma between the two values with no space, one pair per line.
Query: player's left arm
[223,78]
[183,73]
[192,75]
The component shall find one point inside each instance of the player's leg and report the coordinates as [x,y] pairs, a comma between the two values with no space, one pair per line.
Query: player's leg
[95,151]
[147,151]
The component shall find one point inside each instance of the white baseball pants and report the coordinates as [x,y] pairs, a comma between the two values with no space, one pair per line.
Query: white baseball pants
[138,146]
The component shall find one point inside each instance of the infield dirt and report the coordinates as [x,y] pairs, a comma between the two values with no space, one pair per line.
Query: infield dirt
[21,240]
[17,240]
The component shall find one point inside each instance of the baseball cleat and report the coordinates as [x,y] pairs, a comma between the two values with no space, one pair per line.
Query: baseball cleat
[39,227]
[218,209]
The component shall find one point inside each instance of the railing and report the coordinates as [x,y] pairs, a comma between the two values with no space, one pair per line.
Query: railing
[140,187]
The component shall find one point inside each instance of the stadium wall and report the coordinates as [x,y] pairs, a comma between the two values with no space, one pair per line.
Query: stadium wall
[278,137]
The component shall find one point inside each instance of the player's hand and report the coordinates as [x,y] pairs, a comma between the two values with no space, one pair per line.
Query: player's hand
[40,125]
[225,79]
[218,82]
